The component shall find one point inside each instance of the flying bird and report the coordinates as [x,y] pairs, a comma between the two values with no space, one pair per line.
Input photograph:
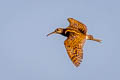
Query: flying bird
[76,34]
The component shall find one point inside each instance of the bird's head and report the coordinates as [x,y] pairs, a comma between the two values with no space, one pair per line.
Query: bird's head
[57,31]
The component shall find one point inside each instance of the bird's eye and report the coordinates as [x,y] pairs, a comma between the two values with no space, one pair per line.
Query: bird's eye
[57,29]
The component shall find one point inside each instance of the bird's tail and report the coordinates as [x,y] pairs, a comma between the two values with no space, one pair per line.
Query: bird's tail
[90,37]
[97,40]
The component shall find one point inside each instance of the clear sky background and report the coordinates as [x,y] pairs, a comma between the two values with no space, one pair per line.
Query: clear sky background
[27,54]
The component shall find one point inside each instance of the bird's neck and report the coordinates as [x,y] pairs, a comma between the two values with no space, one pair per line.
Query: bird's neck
[63,33]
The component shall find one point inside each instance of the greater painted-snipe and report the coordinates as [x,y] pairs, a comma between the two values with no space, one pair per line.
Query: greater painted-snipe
[76,34]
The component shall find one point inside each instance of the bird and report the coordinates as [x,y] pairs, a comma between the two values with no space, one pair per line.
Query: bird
[77,35]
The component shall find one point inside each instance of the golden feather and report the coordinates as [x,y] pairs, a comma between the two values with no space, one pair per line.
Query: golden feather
[75,41]
[76,34]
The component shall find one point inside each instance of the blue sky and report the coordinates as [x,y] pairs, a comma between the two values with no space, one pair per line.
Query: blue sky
[27,54]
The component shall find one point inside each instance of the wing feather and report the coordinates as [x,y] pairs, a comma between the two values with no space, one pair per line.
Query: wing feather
[77,25]
[74,46]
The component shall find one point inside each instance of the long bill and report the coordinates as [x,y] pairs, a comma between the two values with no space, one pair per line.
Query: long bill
[51,33]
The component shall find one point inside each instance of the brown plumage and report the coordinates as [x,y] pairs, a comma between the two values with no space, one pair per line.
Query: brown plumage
[76,34]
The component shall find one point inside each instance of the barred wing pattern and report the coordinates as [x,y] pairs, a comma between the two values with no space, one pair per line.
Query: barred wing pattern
[74,24]
[74,46]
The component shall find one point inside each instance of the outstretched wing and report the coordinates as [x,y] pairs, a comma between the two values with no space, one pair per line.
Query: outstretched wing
[74,46]
[77,25]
